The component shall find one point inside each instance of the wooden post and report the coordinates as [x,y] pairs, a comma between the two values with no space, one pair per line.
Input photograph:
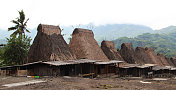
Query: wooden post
[107,71]
[75,70]
[81,69]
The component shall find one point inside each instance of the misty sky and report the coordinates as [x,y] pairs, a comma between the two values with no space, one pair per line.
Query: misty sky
[154,13]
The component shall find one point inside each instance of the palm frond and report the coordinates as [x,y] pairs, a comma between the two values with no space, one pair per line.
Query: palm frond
[22,16]
[26,22]
[28,31]
[11,28]
[16,22]
[14,34]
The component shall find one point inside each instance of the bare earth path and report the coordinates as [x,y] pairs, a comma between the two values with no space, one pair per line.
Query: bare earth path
[77,83]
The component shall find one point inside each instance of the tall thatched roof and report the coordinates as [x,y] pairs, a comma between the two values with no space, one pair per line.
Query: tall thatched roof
[49,45]
[163,60]
[127,53]
[152,55]
[171,63]
[84,46]
[142,56]
[110,50]
[173,60]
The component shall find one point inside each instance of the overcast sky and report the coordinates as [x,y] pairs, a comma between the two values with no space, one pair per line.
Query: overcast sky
[154,13]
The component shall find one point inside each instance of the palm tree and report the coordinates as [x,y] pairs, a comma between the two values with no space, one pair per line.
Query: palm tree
[20,25]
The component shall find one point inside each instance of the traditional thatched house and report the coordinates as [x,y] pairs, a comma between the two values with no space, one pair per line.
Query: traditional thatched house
[49,45]
[110,50]
[84,46]
[50,55]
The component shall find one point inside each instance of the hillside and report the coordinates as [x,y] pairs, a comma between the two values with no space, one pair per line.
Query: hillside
[162,43]
[108,32]
[167,30]
[113,31]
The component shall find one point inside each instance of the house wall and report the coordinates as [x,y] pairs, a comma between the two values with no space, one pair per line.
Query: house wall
[43,70]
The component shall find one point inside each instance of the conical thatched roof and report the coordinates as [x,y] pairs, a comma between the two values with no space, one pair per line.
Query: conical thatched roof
[163,60]
[85,46]
[127,52]
[49,45]
[153,57]
[110,50]
[142,56]
[173,60]
[171,63]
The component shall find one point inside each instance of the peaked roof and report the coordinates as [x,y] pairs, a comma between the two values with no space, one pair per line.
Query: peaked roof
[84,46]
[49,45]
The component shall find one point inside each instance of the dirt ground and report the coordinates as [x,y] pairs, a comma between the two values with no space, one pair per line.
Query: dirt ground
[78,83]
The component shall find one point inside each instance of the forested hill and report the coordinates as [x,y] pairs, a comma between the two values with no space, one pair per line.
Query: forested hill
[164,43]
[114,31]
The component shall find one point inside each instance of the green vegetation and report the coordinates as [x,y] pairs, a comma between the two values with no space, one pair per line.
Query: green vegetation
[17,47]
[16,50]
[1,55]
[20,25]
[162,43]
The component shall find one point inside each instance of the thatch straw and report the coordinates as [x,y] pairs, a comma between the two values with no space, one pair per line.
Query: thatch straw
[127,52]
[84,46]
[110,50]
[49,45]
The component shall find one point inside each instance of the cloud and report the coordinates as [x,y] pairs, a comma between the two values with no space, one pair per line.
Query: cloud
[153,13]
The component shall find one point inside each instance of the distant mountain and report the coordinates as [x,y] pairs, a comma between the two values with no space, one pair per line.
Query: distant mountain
[110,31]
[113,31]
[167,30]
[162,43]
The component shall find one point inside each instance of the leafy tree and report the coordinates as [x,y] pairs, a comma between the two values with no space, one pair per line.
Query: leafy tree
[20,25]
[16,50]
[17,47]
